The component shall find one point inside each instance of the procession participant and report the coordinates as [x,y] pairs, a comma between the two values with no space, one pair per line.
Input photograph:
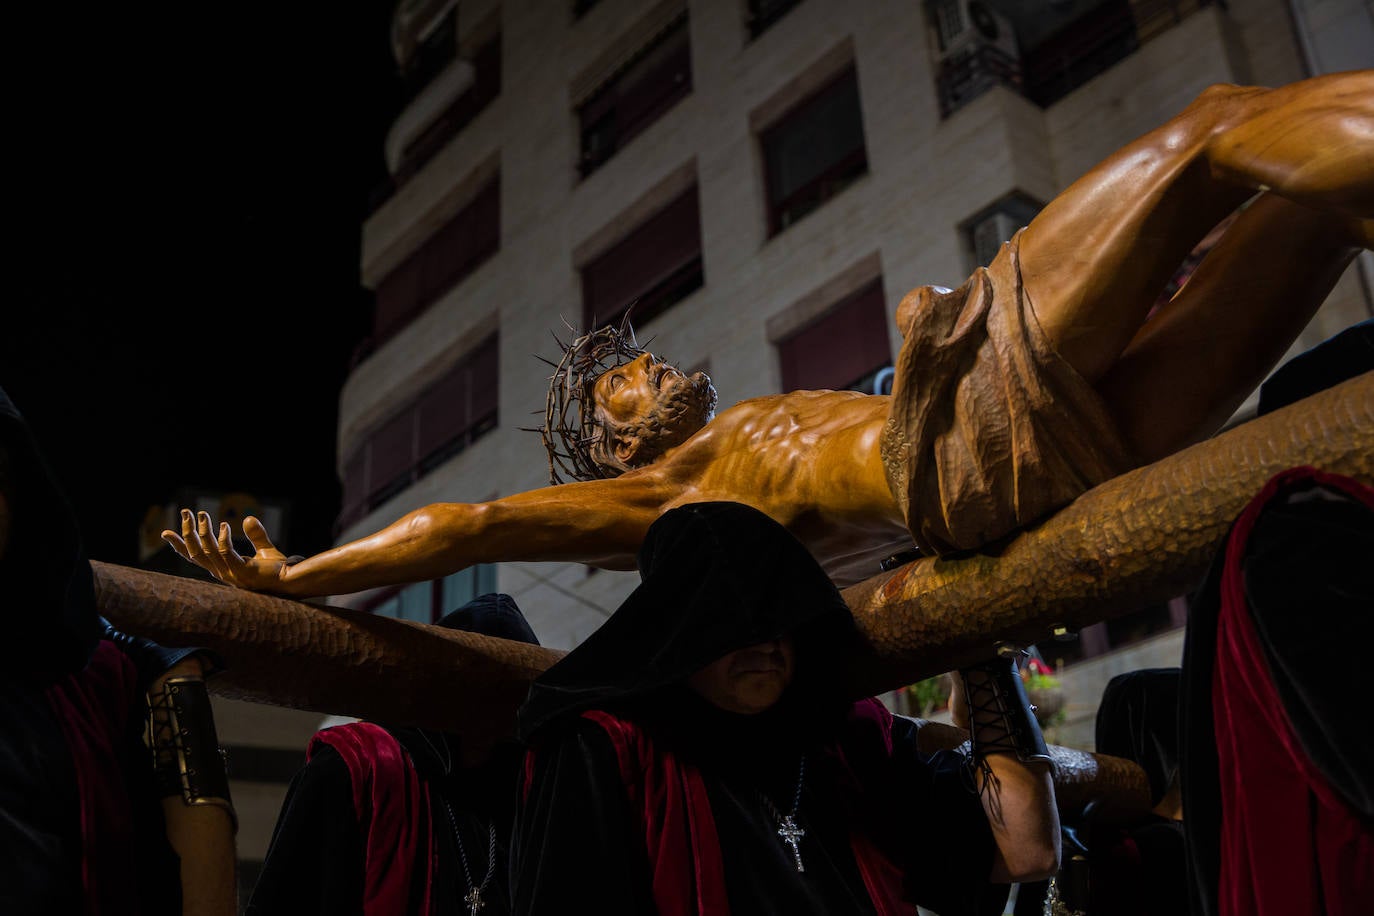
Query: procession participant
[694,754]
[92,819]
[386,820]
[1035,381]
[1277,779]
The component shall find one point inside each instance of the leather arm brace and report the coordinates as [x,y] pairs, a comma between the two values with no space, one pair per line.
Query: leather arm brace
[187,758]
[1000,718]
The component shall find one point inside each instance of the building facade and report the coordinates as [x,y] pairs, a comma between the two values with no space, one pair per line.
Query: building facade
[764,180]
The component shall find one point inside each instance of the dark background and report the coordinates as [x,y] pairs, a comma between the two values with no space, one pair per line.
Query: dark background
[192,183]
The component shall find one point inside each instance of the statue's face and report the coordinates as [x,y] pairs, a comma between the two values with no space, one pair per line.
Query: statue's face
[629,393]
[648,407]
[747,681]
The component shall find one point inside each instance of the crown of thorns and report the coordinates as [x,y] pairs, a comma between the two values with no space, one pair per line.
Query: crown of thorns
[570,428]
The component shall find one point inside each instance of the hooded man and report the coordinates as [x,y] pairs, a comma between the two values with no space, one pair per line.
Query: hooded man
[385,821]
[90,822]
[694,755]
[1277,777]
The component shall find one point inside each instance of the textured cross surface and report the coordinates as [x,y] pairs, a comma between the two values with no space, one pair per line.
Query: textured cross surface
[1145,536]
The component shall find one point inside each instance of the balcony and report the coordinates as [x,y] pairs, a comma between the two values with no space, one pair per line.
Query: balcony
[1049,57]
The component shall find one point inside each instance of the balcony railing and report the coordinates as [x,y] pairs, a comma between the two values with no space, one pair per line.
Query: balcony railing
[964,77]
[1065,60]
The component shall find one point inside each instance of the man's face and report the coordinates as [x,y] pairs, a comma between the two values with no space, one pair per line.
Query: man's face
[747,681]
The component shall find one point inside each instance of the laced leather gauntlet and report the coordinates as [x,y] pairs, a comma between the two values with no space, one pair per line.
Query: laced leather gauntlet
[187,758]
[1000,716]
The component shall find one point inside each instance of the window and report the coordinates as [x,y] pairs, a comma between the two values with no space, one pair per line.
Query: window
[815,151]
[470,237]
[845,348]
[446,418]
[431,55]
[486,86]
[638,95]
[428,602]
[655,266]
[763,13]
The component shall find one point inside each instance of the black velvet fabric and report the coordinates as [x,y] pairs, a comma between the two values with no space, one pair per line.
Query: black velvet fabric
[1138,719]
[47,606]
[1309,585]
[715,577]
[578,842]
[47,595]
[1311,594]
[1337,359]
[315,859]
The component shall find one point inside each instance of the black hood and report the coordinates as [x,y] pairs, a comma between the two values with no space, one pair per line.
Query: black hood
[491,615]
[1138,720]
[47,597]
[715,577]
[495,615]
[1336,359]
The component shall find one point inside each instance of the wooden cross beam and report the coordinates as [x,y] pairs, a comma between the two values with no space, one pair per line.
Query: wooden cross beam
[1143,537]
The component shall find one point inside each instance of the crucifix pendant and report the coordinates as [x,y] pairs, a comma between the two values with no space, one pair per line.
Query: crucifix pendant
[791,835]
[474,901]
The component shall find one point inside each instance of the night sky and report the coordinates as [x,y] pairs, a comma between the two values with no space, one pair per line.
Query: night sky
[192,182]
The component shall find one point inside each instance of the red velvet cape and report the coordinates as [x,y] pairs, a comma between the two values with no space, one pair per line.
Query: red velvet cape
[1290,845]
[688,873]
[392,804]
[92,708]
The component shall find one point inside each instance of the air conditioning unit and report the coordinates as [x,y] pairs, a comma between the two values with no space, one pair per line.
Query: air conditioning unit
[963,26]
[989,233]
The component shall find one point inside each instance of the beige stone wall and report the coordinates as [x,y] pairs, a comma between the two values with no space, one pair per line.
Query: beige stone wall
[925,176]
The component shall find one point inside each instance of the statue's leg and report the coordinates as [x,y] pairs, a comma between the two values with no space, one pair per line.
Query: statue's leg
[1194,362]
[1096,258]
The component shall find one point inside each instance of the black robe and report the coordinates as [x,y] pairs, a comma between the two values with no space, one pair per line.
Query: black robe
[612,817]
[580,838]
[81,827]
[349,826]
[317,860]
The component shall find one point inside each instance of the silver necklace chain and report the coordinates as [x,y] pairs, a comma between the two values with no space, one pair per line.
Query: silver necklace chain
[788,831]
[473,899]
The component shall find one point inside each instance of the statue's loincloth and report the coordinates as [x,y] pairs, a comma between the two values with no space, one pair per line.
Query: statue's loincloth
[990,429]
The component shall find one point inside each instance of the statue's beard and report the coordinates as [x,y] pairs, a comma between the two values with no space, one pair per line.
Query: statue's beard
[680,412]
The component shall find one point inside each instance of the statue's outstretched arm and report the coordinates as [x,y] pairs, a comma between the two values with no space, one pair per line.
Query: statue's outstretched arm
[600,522]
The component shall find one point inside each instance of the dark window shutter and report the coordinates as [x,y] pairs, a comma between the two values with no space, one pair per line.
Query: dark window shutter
[393,451]
[442,412]
[484,382]
[662,246]
[842,346]
[397,296]
[449,255]
[354,499]
[814,151]
[666,79]
[642,92]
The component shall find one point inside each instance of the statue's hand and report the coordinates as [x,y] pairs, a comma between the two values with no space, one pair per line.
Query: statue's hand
[216,554]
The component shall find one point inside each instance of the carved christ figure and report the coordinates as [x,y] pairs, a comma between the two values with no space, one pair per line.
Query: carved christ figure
[1036,380]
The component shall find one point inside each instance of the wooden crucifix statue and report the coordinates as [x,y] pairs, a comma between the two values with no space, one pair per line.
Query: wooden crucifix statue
[1036,380]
